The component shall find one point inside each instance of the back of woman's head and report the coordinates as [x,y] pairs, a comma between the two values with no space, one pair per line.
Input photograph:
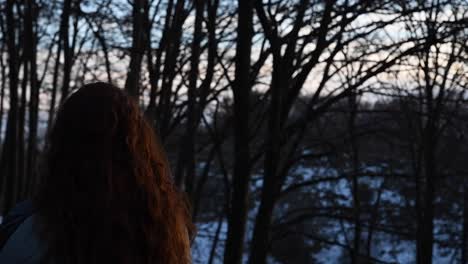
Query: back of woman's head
[107,194]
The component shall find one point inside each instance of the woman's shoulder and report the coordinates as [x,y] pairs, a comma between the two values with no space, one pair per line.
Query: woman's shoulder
[21,243]
[23,246]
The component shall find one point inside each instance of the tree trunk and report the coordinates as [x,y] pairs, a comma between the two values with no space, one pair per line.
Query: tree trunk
[271,186]
[261,235]
[174,35]
[21,123]
[155,70]
[237,217]
[67,50]
[426,236]
[464,245]
[34,96]
[356,248]
[2,95]
[139,15]
[216,238]
[185,171]
[53,98]
[3,82]
[425,240]
[9,159]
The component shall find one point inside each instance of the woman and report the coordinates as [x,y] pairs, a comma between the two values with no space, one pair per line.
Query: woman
[106,194]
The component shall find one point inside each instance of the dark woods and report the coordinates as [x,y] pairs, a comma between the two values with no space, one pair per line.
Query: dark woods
[302,131]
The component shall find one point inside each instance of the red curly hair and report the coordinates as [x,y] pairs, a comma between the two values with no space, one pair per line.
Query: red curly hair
[106,194]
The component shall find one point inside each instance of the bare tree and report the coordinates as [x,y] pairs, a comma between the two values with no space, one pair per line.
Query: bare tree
[30,55]
[241,175]
[139,17]
[9,159]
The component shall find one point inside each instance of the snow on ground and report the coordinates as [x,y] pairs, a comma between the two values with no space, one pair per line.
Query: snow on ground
[327,255]
[385,247]
[203,243]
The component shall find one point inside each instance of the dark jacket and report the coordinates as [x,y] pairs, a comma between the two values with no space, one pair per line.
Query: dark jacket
[18,238]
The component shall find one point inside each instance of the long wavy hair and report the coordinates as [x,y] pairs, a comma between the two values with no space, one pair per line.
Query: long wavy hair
[106,193]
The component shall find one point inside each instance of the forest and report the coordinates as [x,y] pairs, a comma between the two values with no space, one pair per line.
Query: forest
[302,131]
